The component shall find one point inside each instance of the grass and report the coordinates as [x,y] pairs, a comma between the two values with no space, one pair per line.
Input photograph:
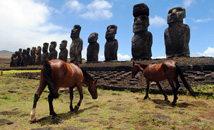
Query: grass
[112,110]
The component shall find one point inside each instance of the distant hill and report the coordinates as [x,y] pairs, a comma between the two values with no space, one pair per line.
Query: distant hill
[5,54]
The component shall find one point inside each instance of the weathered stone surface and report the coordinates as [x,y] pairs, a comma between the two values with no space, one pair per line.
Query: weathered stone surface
[76,45]
[45,54]
[52,49]
[177,35]
[24,58]
[33,56]
[142,39]
[38,55]
[63,55]
[93,48]
[111,45]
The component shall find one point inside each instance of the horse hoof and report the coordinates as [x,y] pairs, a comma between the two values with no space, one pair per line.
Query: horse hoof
[173,103]
[33,120]
[76,108]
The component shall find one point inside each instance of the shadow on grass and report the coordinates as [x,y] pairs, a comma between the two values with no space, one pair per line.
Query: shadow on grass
[60,117]
[167,103]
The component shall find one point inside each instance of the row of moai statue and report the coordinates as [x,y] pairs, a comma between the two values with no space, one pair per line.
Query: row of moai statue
[176,36]
[35,56]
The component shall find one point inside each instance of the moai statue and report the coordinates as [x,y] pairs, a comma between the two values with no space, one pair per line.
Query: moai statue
[13,62]
[93,48]
[111,45]
[76,45]
[45,54]
[19,54]
[24,59]
[177,35]
[38,55]
[63,55]
[52,49]
[28,56]
[142,39]
[33,56]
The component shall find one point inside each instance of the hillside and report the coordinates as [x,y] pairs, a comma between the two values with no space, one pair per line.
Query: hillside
[5,54]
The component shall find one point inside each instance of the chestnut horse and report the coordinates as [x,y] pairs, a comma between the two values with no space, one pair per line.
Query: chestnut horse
[158,72]
[56,74]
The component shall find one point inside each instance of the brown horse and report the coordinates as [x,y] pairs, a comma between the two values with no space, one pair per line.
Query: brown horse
[158,72]
[56,74]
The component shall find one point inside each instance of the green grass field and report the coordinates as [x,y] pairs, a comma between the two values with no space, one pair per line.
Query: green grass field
[112,110]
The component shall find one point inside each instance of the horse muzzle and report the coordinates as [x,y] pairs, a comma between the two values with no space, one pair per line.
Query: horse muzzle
[94,97]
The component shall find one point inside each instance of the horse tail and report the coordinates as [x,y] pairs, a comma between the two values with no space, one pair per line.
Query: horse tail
[187,86]
[48,79]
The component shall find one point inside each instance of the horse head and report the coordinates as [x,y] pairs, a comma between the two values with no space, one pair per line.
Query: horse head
[93,89]
[136,67]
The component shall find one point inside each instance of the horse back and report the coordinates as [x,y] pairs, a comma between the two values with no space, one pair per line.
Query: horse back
[64,74]
[159,72]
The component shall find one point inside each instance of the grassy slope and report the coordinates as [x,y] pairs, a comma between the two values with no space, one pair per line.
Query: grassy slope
[112,110]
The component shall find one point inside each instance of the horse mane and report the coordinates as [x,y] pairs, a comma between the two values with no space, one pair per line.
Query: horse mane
[86,74]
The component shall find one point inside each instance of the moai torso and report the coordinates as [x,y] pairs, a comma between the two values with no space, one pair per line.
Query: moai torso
[45,54]
[111,45]
[142,39]
[177,35]
[63,55]
[76,45]
[52,49]
[24,60]
[33,56]
[93,48]
[38,55]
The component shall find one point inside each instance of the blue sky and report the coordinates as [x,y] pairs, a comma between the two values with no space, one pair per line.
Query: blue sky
[28,23]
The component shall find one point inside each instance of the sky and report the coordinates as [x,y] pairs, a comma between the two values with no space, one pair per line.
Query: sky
[29,23]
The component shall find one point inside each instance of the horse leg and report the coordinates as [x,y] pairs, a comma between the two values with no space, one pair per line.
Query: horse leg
[79,88]
[50,101]
[174,92]
[165,96]
[147,90]
[71,99]
[37,95]
[177,84]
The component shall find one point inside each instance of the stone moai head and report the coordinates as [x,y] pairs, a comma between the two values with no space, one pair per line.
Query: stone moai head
[111,31]
[28,50]
[52,46]
[75,32]
[45,47]
[93,38]
[141,20]
[33,51]
[63,45]
[38,50]
[176,15]
[24,52]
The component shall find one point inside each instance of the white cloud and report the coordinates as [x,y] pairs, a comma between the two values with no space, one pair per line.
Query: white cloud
[96,10]
[209,52]
[188,3]
[25,23]
[203,20]
[157,21]
[74,5]
[123,57]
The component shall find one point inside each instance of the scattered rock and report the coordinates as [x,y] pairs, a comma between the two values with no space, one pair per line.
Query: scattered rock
[5,121]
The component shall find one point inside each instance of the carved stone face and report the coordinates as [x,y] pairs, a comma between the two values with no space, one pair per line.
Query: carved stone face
[75,32]
[111,31]
[45,47]
[176,14]
[93,38]
[38,50]
[33,51]
[63,45]
[141,23]
[52,46]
